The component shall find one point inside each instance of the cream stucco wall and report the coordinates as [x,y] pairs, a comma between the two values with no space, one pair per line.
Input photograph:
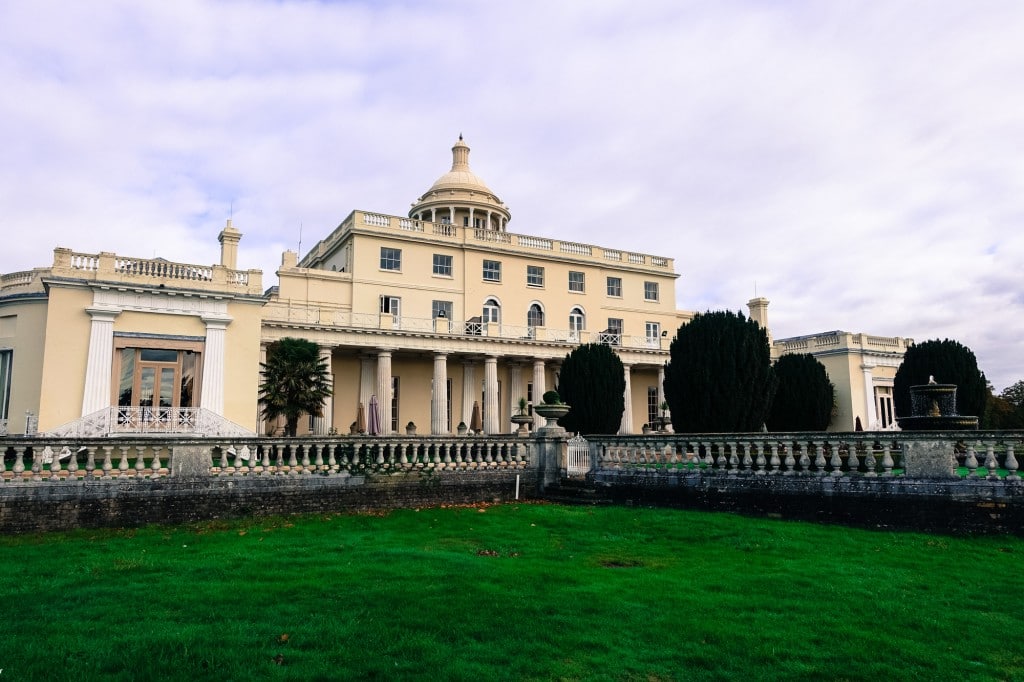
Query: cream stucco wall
[22,330]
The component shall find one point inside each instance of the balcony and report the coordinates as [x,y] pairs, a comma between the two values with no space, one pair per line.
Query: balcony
[282,313]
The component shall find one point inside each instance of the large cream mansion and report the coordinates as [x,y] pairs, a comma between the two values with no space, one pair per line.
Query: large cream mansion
[440,317]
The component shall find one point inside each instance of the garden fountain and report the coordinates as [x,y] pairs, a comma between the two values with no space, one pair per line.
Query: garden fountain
[933,408]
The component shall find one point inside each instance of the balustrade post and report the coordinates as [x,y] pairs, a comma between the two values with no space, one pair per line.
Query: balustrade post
[805,460]
[869,460]
[122,465]
[819,457]
[37,464]
[55,465]
[836,461]
[774,461]
[734,460]
[1011,464]
[140,461]
[748,461]
[991,463]
[19,463]
[759,460]
[886,461]
[971,462]
[790,460]
[107,464]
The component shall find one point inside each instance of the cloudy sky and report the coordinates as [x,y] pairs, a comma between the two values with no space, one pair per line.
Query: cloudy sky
[859,164]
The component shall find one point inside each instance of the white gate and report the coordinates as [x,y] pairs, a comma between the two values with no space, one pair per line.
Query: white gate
[577,457]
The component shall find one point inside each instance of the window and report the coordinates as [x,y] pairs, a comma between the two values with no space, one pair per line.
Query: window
[883,406]
[535,316]
[492,270]
[534,276]
[650,291]
[652,404]
[6,358]
[390,259]
[158,377]
[577,322]
[492,311]
[575,281]
[441,309]
[615,287]
[613,334]
[442,265]
[652,332]
[392,305]
[394,404]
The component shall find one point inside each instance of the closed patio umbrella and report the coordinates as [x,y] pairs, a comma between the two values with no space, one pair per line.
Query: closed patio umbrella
[361,419]
[476,422]
[373,426]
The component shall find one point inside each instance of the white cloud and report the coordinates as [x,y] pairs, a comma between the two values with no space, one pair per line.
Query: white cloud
[857,163]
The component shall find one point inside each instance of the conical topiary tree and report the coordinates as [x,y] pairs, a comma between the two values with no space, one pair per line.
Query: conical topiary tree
[949,362]
[719,377]
[593,383]
[805,396]
[295,382]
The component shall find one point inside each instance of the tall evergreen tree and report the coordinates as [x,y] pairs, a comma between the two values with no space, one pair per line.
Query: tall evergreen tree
[295,382]
[592,381]
[805,396]
[949,362]
[719,376]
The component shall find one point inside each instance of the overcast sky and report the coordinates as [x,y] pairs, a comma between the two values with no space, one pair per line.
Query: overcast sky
[859,163]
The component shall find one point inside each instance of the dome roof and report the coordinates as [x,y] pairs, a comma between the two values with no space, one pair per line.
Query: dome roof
[461,188]
[460,176]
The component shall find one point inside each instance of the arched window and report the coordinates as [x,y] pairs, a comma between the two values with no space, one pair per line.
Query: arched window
[492,311]
[535,316]
[577,322]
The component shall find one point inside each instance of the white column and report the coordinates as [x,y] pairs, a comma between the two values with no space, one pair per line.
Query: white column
[627,414]
[538,391]
[439,396]
[468,391]
[100,364]
[367,381]
[433,215]
[471,217]
[451,212]
[870,417]
[491,420]
[661,395]
[515,389]
[323,424]
[488,226]
[384,389]
[212,395]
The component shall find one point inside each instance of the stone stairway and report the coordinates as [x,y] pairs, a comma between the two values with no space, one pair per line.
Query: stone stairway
[577,491]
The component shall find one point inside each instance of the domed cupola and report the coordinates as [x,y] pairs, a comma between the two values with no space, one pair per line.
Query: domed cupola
[461,198]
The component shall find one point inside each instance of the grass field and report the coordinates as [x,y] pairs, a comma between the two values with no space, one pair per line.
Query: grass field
[511,592]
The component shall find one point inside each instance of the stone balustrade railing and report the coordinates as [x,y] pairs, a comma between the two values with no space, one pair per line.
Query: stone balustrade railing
[41,460]
[971,454]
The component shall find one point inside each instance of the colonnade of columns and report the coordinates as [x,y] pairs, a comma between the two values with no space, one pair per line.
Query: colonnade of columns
[376,382]
[492,221]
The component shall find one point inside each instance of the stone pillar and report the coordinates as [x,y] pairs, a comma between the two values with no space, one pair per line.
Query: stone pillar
[489,226]
[101,357]
[433,215]
[661,395]
[451,212]
[384,389]
[627,413]
[471,217]
[492,423]
[212,395]
[468,391]
[439,396]
[538,392]
[515,389]
[322,424]
[870,418]
[367,381]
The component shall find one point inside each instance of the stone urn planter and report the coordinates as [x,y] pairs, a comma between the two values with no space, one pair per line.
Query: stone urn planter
[522,420]
[552,412]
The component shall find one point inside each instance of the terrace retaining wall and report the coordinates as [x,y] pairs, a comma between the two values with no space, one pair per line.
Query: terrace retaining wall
[65,505]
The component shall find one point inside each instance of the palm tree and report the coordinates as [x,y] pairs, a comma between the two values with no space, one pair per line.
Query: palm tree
[295,381]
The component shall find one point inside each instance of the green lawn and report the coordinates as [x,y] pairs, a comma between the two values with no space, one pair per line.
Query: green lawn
[511,592]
